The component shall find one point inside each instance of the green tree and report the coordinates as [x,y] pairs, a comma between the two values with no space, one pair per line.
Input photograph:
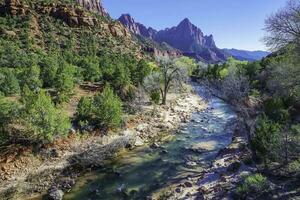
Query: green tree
[142,70]
[266,139]
[107,109]
[9,84]
[169,75]
[85,108]
[43,121]
[65,81]
[91,69]
[49,66]
[31,77]
[8,114]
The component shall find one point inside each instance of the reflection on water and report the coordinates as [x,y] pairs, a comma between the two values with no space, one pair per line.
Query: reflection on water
[136,174]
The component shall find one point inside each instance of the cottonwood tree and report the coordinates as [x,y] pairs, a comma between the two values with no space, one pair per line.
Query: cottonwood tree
[169,75]
[283,27]
[235,86]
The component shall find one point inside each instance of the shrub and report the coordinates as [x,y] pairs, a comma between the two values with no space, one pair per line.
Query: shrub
[104,110]
[65,81]
[49,66]
[43,121]
[31,77]
[9,84]
[155,96]
[91,69]
[253,185]
[84,108]
[107,109]
[266,139]
[276,110]
[8,112]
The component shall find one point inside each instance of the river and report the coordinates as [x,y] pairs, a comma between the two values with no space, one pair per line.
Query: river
[137,173]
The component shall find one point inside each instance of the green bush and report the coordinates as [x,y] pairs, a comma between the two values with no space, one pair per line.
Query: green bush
[266,139]
[65,81]
[276,110]
[155,96]
[108,109]
[8,113]
[104,110]
[43,121]
[9,84]
[85,108]
[49,66]
[253,185]
[91,69]
[31,77]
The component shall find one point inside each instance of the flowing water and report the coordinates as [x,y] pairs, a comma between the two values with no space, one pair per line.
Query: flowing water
[137,173]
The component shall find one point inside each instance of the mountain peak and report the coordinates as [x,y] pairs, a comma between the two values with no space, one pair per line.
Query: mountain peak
[185,22]
[136,28]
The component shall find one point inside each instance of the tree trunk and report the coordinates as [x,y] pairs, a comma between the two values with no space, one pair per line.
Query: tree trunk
[164,98]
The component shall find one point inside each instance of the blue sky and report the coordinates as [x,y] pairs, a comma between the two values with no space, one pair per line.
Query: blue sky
[234,23]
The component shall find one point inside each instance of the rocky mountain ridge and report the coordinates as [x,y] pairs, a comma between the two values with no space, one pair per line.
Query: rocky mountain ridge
[186,37]
[94,6]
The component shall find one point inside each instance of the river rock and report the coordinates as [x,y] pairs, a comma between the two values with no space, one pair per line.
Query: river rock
[191,164]
[55,194]
[138,142]
[155,145]
[188,184]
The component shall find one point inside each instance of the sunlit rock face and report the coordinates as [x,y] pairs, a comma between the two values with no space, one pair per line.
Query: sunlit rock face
[93,5]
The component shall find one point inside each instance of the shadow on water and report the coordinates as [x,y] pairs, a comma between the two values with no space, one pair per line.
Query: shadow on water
[136,174]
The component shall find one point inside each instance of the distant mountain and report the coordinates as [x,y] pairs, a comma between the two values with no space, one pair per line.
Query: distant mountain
[186,37]
[189,40]
[246,55]
[137,28]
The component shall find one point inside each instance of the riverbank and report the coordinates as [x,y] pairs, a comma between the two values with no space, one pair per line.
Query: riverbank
[218,181]
[25,174]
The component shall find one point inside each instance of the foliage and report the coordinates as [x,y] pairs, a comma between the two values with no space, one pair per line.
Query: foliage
[186,62]
[276,110]
[91,67]
[266,139]
[9,84]
[84,108]
[171,74]
[8,112]
[155,96]
[43,121]
[104,110]
[107,109]
[49,65]
[30,77]
[253,185]
[65,81]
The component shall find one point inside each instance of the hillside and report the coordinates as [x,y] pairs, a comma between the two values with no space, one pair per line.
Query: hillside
[56,25]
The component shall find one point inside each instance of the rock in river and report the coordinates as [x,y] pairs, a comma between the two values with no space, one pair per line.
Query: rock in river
[55,194]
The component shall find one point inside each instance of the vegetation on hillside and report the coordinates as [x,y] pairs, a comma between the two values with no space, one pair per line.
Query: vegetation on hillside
[42,60]
[268,93]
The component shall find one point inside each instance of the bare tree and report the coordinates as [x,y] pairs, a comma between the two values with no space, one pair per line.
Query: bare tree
[236,86]
[283,27]
[169,75]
